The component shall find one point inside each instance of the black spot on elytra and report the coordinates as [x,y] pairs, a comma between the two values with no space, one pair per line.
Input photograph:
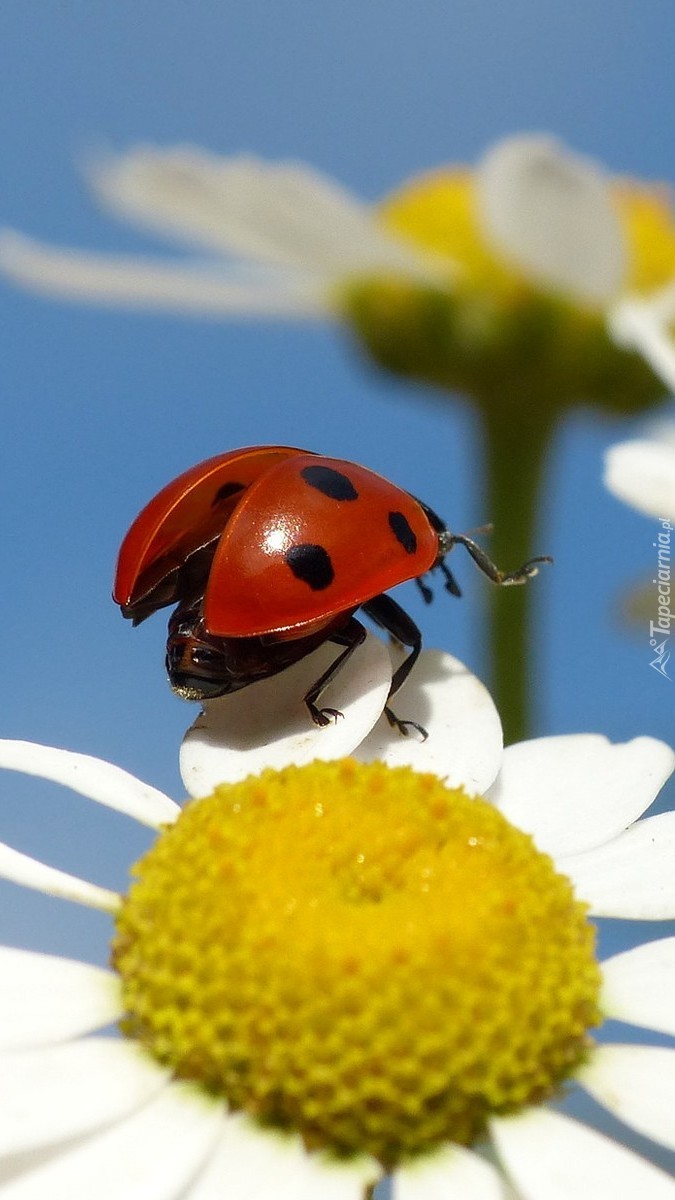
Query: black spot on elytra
[224,492]
[402,531]
[311,564]
[332,483]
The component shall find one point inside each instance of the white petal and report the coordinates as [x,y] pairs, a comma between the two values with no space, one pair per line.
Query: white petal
[91,777]
[252,1164]
[65,1091]
[646,326]
[153,1155]
[577,791]
[551,212]
[642,473]
[662,429]
[454,1172]
[632,876]
[30,872]
[268,725]
[278,213]
[45,999]
[662,302]
[639,985]
[203,291]
[550,1157]
[464,745]
[637,1084]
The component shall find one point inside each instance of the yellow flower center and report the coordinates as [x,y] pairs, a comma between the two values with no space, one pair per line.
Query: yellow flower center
[358,954]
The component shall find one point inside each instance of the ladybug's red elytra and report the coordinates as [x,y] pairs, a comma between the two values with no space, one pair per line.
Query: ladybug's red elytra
[268,552]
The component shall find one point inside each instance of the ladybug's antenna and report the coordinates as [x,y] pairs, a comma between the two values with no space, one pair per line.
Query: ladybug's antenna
[504,579]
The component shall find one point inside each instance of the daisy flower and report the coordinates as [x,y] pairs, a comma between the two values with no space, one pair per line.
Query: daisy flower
[446,279]
[513,283]
[333,971]
[642,473]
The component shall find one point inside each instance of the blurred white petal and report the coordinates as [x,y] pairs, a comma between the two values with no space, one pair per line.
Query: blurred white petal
[464,746]
[642,473]
[153,1155]
[206,290]
[662,429]
[284,214]
[259,1165]
[639,985]
[91,777]
[45,999]
[632,876]
[637,1084]
[645,325]
[550,1157]
[551,213]
[454,1172]
[268,724]
[577,791]
[30,872]
[65,1091]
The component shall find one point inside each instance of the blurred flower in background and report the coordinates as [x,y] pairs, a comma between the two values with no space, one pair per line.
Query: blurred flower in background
[531,284]
[532,223]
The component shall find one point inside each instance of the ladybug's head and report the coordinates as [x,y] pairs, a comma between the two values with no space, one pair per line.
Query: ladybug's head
[197,664]
[201,666]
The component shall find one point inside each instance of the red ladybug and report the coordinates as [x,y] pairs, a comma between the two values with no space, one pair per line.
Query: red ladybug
[267,553]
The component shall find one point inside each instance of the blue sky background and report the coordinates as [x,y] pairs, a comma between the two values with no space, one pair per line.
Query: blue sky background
[101,408]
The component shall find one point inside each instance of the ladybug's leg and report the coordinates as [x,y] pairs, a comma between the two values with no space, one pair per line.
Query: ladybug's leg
[350,637]
[389,615]
[427,594]
[451,584]
[447,540]
[504,579]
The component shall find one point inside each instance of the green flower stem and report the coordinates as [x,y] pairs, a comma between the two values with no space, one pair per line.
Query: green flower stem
[526,357]
[516,442]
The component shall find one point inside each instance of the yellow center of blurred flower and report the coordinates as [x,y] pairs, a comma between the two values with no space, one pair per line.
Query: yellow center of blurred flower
[646,215]
[439,213]
[488,329]
[359,954]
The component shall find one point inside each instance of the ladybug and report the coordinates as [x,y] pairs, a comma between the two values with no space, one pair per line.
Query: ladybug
[268,552]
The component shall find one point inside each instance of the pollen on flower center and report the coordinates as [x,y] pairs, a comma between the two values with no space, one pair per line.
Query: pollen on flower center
[358,954]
